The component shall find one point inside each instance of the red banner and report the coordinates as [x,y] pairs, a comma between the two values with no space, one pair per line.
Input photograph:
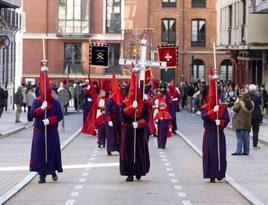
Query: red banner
[169,55]
[148,76]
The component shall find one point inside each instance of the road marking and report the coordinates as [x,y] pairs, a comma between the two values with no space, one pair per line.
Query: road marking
[171,174]
[161,152]
[70,202]
[163,156]
[174,181]
[178,187]
[186,202]
[165,160]
[93,155]
[95,151]
[77,187]
[167,164]
[85,174]
[74,194]
[181,194]
[169,169]
[92,159]
[82,180]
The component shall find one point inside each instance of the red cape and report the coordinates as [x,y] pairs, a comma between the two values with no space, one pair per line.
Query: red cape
[89,126]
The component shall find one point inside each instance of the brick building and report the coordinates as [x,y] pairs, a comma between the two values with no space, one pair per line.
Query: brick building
[69,27]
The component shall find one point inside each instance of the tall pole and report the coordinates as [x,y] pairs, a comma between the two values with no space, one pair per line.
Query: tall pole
[135,118]
[215,77]
[44,70]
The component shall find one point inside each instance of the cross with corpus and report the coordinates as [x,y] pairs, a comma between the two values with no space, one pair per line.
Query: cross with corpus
[142,63]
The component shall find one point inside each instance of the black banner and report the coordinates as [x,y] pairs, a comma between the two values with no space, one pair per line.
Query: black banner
[99,55]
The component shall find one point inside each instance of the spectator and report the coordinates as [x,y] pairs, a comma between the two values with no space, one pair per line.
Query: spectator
[242,123]
[3,97]
[190,93]
[6,97]
[256,115]
[18,101]
[30,96]
[23,90]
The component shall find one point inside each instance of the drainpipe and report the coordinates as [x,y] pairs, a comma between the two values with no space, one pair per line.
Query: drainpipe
[183,40]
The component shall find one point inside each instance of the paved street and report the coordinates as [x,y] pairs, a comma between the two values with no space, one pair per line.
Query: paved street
[175,178]
[249,171]
[15,152]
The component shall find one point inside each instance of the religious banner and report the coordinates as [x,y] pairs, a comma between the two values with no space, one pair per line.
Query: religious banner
[169,55]
[148,76]
[99,55]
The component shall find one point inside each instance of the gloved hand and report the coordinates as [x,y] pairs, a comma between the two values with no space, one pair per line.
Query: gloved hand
[145,97]
[216,108]
[156,121]
[44,69]
[170,130]
[135,125]
[89,99]
[45,121]
[218,122]
[175,99]
[110,123]
[88,87]
[44,105]
[135,104]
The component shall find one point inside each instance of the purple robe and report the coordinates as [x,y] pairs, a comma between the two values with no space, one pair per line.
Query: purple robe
[172,110]
[87,106]
[37,162]
[142,165]
[113,134]
[210,150]
[162,133]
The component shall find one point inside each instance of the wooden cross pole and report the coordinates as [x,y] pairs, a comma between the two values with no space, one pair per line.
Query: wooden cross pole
[139,69]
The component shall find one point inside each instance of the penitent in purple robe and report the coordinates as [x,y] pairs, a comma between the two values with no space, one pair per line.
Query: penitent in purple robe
[210,150]
[87,106]
[127,165]
[113,134]
[38,163]
[163,126]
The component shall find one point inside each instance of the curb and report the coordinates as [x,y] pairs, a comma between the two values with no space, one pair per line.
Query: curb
[243,191]
[15,130]
[29,177]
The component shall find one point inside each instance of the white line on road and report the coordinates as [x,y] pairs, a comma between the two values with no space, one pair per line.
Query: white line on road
[174,181]
[75,194]
[165,160]
[169,169]
[186,202]
[167,164]
[82,180]
[177,187]
[75,166]
[85,174]
[171,174]
[181,194]
[77,187]
[92,159]
[70,202]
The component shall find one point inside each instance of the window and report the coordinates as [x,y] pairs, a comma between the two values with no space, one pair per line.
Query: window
[198,69]
[114,55]
[168,3]
[113,16]
[72,58]
[198,33]
[169,31]
[198,3]
[227,70]
[74,17]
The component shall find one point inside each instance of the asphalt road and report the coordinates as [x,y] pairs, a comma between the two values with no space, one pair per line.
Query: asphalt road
[92,177]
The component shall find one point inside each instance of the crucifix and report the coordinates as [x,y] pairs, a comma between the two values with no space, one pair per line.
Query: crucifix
[139,69]
[142,63]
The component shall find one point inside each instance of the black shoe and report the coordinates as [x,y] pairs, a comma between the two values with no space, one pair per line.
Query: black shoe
[42,180]
[236,154]
[245,154]
[138,177]
[54,177]
[129,179]
[219,179]
[212,180]
[99,146]
[109,153]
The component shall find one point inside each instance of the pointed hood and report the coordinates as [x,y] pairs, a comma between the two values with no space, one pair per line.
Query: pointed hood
[115,91]
[92,91]
[172,91]
[44,78]
[131,93]
[211,98]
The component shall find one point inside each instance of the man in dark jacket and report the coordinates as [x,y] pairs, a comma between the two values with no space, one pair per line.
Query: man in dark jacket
[18,101]
[256,115]
[3,97]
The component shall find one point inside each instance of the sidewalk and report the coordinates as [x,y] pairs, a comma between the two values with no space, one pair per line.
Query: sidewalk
[250,173]
[16,149]
[8,125]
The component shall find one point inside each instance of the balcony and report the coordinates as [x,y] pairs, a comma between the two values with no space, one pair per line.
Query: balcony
[10,3]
